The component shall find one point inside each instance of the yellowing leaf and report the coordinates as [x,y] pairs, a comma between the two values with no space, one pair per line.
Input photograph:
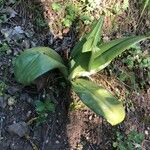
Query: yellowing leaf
[99,100]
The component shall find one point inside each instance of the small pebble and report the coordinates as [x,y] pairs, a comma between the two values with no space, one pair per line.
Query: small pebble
[90,118]
[146,132]
[46,141]
[12,90]
[57,142]
[29,113]
[20,129]
[11,101]
[2,102]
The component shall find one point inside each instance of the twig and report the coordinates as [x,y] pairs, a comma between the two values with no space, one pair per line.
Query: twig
[1,127]
[34,147]
[31,120]
[45,137]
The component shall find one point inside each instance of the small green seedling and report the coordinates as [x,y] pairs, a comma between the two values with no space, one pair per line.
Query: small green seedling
[56,6]
[42,108]
[89,56]
[4,47]
[76,105]
[132,141]
[3,87]
[71,14]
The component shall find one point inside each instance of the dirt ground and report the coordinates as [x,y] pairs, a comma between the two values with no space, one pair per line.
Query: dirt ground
[63,129]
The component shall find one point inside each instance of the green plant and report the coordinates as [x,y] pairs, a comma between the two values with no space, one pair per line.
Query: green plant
[89,56]
[4,47]
[39,20]
[1,2]
[56,6]
[71,14]
[42,108]
[3,86]
[130,142]
[76,105]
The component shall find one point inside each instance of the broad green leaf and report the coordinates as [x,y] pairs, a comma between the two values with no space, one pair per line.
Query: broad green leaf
[86,46]
[78,72]
[79,65]
[49,106]
[77,50]
[106,46]
[92,40]
[99,100]
[40,106]
[146,4]
[32,63]
[48,51]
[89,41]
[113,51]
[93,37]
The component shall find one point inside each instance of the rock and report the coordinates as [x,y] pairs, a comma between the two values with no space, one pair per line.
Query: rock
[11,101]
[57,142]
[146,132]
[12,13]
[90,118]
[26,44]
[14,34]
[18,30]
[12,90]
[20,129]
[25,97]
[2,102]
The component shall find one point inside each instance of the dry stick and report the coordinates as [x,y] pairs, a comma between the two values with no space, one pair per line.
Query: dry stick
[44,142]
[52,127]
[1,127]
[32,120]
[92,147]
[34,147]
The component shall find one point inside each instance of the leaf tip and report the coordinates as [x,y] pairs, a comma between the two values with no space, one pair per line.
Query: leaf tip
[116,117]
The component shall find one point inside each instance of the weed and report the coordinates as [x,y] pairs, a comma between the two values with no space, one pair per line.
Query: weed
[42,108]
[56,6]
[71,14]
[132,141]
[133,61]
[2,2]
[3,18]
[85,11]
[4,47]
[76,105]
[39,20]
[3,86]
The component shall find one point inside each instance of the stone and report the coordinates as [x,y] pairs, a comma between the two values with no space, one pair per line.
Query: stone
[12,90]
[2,102]
[11,101]
[26,98]
[20,129]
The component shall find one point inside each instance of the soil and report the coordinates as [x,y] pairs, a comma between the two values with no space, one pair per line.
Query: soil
[63,129]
